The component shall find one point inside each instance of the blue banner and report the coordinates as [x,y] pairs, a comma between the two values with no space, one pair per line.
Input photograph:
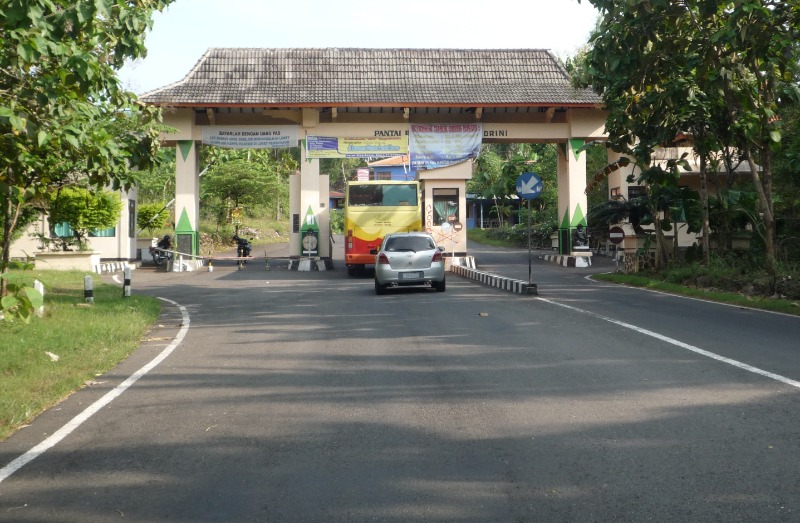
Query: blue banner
[438,145]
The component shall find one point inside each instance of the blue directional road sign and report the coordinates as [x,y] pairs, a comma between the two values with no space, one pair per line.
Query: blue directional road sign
[529,186]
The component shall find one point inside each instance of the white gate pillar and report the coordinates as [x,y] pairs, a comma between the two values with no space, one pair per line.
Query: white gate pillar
[572,201]
[187,192]
[309,193]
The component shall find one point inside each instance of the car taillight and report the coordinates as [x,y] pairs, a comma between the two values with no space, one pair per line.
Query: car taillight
[382,259]
[437,257]
[350,239]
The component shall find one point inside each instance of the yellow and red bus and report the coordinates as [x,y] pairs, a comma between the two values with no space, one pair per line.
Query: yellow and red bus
[373,209]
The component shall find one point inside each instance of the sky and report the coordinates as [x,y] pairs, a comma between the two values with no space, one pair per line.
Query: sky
[187,28]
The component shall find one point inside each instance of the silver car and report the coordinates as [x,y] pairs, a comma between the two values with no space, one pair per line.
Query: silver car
[409,258]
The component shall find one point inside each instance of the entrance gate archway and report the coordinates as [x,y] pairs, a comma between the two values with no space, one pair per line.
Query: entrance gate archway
[289,95]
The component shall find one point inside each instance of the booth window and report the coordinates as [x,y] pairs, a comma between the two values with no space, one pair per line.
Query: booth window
[445,205]
[636,191]
[103,233]
[63,230]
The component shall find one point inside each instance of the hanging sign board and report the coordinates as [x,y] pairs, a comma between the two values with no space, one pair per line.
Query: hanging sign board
[438,145]
[375,147]
[251,136]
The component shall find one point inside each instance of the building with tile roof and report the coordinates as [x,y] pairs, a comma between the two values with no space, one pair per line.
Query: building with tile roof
[376,78]
[515,95]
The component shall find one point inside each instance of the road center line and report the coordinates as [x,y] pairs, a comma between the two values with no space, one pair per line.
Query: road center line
[692,348]
[76,422]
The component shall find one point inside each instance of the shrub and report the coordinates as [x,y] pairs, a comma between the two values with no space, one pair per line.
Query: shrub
[152,216]
[84,210]
[337,221]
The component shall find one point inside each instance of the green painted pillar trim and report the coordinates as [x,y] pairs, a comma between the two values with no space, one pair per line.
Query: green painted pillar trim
[186,147]
[578,218]
[576,144]
[187,240]
[184,225]
[564,235]
[565,222]
[309,235]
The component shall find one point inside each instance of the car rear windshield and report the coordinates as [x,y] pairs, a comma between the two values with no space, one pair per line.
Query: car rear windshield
[410,243]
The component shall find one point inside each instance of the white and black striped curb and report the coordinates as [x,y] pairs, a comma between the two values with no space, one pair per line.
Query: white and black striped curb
[495,280]
[568,261]
[109,267]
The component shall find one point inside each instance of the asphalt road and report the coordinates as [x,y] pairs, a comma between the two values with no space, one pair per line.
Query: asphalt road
[302,396]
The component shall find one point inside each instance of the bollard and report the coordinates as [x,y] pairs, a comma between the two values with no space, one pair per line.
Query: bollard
[126,286]
[88,290]
[39,287]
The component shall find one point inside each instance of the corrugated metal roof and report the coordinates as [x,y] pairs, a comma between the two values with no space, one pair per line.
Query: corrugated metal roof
[373,77]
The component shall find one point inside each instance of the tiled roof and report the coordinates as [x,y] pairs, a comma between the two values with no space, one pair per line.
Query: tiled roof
[391,161]
[373,77]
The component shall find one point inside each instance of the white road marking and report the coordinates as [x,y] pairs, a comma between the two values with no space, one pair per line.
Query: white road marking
[692,348]
[76,422]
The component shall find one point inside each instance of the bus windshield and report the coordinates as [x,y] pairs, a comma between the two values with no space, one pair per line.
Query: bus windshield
[382,195]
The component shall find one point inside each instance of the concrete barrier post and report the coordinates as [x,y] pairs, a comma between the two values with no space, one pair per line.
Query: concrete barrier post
[88,290]
[126,286]
[39,287]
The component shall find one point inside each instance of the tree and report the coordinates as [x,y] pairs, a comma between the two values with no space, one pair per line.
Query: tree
[488,180]
[666,66]
[152,216]
[499,166]
[787,183]
[64,119]
[340,170]
[157,184]
[256,179]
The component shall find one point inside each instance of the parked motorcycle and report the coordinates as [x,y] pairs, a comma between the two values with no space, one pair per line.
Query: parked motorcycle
[160,252]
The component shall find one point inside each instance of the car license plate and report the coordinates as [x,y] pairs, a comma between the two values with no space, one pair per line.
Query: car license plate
[410,275]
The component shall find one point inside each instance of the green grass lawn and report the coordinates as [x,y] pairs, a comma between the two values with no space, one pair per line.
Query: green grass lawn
[86,340]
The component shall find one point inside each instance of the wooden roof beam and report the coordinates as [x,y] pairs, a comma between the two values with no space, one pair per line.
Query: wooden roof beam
[284,114]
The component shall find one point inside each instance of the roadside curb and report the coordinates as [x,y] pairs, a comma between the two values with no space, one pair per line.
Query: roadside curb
[495,280]
[568,260]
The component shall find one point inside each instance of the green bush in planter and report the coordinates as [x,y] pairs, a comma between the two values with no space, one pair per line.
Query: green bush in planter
[84,211]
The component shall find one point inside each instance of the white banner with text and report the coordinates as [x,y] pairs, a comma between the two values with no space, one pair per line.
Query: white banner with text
[251,137]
